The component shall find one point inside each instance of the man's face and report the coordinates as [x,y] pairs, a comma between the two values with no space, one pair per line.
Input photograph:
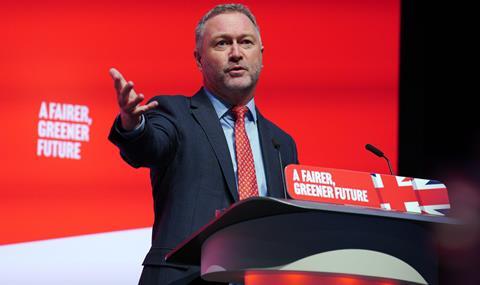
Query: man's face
[230,56]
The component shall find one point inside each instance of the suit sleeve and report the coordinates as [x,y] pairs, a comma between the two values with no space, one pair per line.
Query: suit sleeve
[156,144]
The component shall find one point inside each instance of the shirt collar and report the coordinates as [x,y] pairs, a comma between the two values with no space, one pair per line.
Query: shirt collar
[222,108]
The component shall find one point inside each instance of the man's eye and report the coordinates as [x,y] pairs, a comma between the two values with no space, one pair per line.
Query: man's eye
[221,43]
[246,43]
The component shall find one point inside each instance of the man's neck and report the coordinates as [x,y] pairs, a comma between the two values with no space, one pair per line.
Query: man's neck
[233,97]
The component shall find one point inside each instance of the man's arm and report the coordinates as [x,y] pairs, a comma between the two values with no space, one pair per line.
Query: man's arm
[142,141]
[129,102]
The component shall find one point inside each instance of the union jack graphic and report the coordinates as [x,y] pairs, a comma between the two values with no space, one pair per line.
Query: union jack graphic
[432,196]
[411,194]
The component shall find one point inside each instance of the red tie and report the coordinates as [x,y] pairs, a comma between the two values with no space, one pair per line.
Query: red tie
[247,180]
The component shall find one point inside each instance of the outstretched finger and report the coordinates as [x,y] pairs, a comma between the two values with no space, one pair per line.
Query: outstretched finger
[125,92]
[131,106]
[142,109]
[118,79]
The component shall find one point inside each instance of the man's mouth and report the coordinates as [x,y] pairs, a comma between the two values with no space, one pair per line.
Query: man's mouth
[236,70]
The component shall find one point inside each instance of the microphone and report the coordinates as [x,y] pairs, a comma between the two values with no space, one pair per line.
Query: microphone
[379,153]
[276,145]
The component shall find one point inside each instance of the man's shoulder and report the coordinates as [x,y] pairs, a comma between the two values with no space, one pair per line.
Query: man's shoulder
[280,138]
[171,99]
[171,103]
[275,130]
[181,101]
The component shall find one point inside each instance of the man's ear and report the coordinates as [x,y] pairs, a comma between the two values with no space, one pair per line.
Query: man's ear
[198,59]
[261,50]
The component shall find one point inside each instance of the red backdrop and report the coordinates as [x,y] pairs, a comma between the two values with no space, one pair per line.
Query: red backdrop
[330,80]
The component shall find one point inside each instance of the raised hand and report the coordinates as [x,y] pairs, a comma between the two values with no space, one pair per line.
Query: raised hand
[129,101]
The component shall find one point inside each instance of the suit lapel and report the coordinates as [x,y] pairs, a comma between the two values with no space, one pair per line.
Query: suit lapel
[203,111]
[270,159]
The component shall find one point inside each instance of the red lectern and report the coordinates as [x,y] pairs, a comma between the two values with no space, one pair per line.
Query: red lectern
[275,241]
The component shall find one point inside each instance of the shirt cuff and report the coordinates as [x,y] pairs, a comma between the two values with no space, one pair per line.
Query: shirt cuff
[133,133]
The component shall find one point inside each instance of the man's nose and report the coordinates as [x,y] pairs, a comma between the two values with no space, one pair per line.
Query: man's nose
[235,52]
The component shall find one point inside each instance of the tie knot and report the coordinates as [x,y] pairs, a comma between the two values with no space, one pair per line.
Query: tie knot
[239,112]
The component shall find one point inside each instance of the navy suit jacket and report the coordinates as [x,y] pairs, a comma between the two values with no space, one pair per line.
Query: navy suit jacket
[191,171]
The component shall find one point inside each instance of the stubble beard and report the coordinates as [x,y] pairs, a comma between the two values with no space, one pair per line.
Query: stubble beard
[234,90]
[241,85]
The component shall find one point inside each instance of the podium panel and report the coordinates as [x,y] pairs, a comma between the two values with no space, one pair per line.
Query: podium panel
[266,238]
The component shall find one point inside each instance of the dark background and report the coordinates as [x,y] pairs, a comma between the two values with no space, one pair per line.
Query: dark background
[439,134]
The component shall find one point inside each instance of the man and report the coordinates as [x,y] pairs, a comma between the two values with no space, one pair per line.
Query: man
[204,152]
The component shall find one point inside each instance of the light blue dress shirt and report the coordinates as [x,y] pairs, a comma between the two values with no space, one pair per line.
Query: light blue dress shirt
[227,121]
